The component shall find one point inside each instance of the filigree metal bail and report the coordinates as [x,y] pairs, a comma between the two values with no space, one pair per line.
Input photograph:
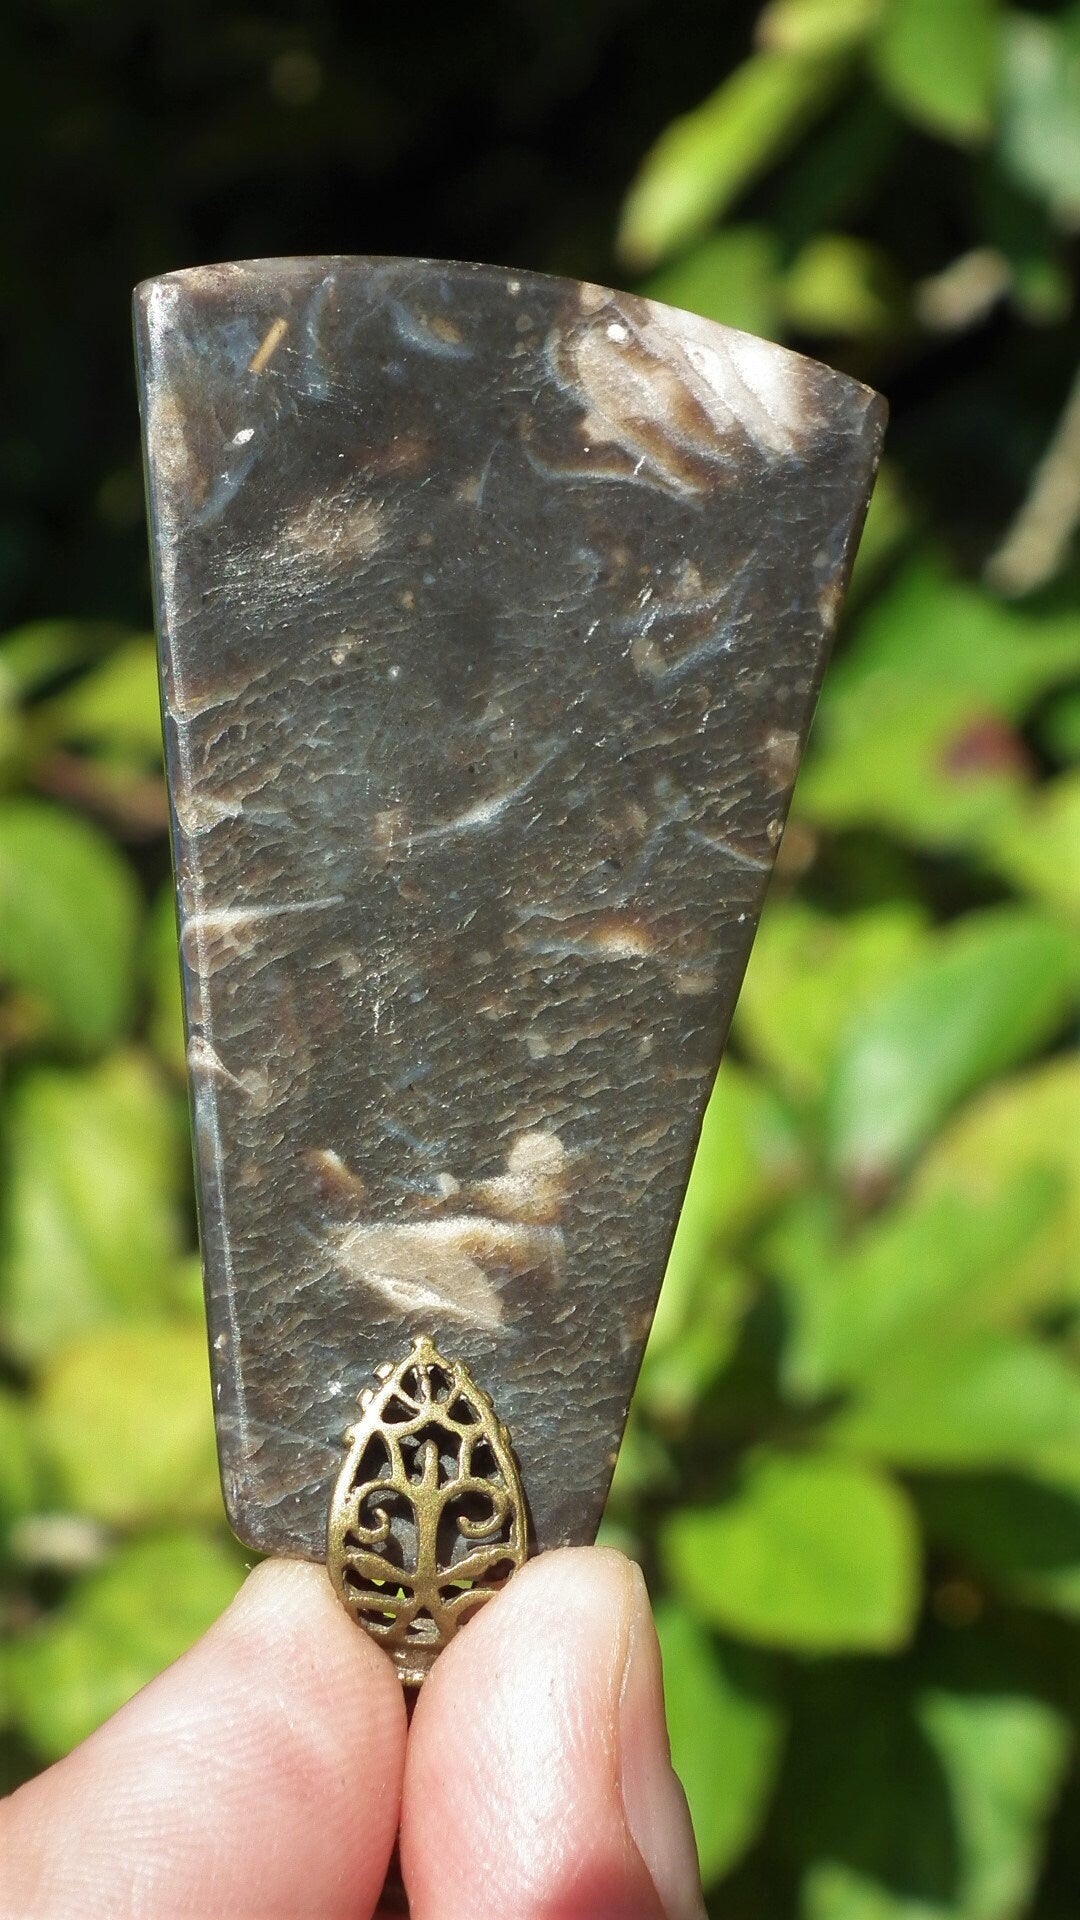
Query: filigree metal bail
[427,1518]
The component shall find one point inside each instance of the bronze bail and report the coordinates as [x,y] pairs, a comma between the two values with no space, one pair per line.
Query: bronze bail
[427,1518]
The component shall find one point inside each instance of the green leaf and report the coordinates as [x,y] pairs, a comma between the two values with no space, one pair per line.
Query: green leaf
[939,1264]
[734,278]
[1039,850]
[939,61]
[916,731]
[185,1294]
[1021,1534]
[116,706]
[91,1225]
[748,1153]
[942,632]
[116,1630]
[817,26]
[811,1552]
[986,1400]
[644,1467]
[1061,728]
[888,524]
[706,159]
[33,655]
[162,966]
[1040,122]
[726,1728]
[124,1417]
[1018,231]
[694,1336]
[69,911]
[810,976]
[1004,1756]
[846,288]
[1023,1126]
[983,997]
[20,1467]
[923,1805]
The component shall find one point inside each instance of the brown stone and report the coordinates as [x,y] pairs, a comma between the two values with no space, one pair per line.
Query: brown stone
[493,609]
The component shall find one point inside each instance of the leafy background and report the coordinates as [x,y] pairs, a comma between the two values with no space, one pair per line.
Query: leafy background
[853,1467]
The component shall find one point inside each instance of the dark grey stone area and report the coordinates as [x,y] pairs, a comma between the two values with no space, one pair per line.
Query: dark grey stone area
[493,609]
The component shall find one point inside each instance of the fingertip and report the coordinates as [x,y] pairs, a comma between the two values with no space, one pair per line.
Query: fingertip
[260,1775]
[328,1693]
[533,1740]
[286,1612]
[653,1799]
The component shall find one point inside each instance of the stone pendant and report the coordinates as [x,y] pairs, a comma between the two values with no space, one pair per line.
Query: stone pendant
[492,611]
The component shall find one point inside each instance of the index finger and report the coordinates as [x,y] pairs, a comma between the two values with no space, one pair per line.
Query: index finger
[257,1779]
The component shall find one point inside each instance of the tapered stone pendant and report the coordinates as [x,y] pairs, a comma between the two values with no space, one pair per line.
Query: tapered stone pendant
[492,613]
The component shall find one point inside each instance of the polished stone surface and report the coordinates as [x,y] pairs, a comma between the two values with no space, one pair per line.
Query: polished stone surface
[493,609]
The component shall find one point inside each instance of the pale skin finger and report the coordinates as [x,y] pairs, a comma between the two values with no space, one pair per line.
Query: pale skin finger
[258,1779]
[538,1781]
[262,1775]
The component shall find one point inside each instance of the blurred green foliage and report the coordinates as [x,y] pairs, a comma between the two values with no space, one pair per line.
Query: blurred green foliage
[853,1468]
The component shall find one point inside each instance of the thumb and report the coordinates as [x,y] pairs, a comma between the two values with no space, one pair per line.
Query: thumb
[538,1780]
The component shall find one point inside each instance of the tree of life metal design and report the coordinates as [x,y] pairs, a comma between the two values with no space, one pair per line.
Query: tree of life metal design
[427,1519]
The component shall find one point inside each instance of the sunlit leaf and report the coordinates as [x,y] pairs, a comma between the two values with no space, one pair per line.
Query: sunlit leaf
[185,1293]
[817,26]
[117,1629]
[644,1466]
[982,998]
[936,1266]
[124,1417]
[989,1400]
[162,967]
[940,61]
[91,1224]
[705,160]
[1026,1125]
[694,1335]
[1040,127]
[34,655]
[1039,849]
[734,278]
[844,287]
[749,1151]
[810,976]
[748,1154]
[1004,1754]
[726,1726]
[917,726]
[1061,727]
[69,912]
[809,1551]
[115,706]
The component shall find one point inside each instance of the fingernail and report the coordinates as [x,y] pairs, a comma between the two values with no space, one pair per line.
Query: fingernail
[654,1803]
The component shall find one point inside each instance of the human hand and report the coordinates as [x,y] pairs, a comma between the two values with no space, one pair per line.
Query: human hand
[264,1776]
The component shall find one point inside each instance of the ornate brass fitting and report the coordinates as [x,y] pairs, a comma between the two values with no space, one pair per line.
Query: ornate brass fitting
[427,1519]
